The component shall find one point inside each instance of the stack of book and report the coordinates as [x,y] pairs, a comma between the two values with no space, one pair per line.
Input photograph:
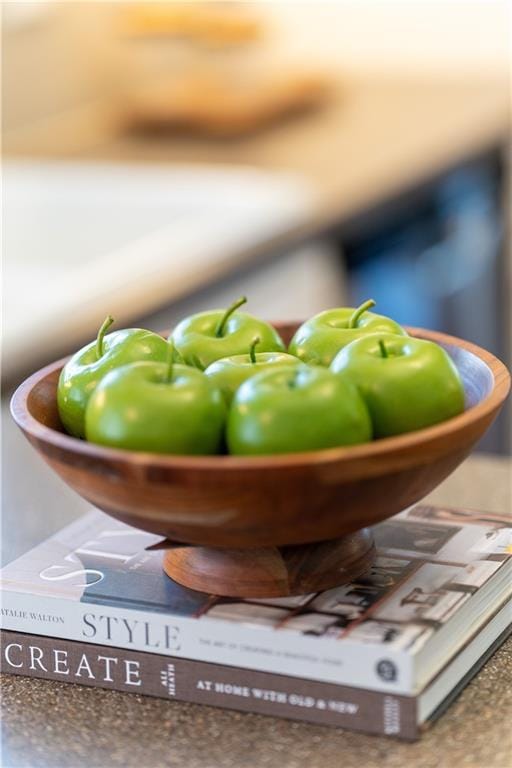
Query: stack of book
[384,654]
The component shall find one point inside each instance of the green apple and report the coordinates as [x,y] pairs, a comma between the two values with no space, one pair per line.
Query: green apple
[157,407]
[209,336]
[229,373]
[296,409]
[407,383]
[82,373]
[319,339]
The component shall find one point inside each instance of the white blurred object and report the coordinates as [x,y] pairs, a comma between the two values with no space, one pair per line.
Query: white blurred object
[82,241]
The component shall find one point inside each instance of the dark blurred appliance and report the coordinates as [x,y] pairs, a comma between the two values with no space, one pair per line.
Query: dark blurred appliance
[439,262]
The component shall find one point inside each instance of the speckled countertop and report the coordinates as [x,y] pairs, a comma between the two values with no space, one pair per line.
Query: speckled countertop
[53,724]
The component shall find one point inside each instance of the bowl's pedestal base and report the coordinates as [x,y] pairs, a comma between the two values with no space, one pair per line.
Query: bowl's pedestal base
[271,571]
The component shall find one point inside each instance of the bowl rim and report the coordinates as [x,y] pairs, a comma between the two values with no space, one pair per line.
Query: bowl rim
[370,450]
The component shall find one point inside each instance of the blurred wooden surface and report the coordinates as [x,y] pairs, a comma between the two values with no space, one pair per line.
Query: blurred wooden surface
[378,137]
[420,87]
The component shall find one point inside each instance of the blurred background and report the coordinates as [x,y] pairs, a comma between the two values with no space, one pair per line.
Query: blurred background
[160,158]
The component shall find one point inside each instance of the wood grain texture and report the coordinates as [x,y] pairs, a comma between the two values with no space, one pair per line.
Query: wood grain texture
[247,502]
[272,571]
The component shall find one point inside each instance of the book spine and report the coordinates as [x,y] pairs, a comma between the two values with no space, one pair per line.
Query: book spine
[204,683]
[345,662]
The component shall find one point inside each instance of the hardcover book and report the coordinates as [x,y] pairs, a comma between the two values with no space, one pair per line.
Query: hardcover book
[398,640]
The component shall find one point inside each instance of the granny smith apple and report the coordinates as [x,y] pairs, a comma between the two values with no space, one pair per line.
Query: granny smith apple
[407,383]
[229,373]
[208,336]
[296,409]
[319,339]
[82,373]
[150,406]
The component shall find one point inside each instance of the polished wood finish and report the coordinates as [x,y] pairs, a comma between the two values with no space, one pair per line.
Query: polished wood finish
[272,571]
[248,502]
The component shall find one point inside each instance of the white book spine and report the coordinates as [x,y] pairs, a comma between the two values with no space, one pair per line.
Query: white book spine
[218,641]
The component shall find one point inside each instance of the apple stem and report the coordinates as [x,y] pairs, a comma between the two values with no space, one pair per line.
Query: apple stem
[101,335]
[383,349]
[253,346]
[356,314]
[227,314]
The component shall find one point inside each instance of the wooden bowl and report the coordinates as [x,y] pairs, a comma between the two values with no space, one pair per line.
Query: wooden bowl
[268,504]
